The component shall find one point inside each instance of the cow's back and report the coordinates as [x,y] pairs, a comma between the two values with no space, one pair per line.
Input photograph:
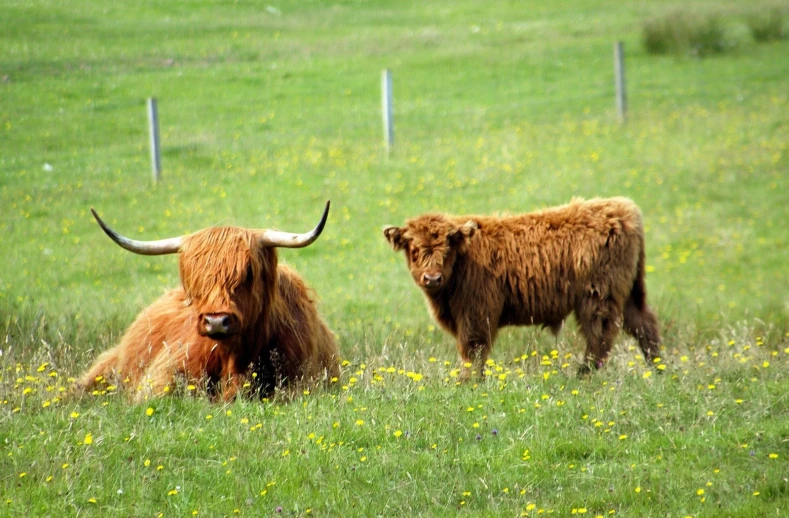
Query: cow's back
[167,323]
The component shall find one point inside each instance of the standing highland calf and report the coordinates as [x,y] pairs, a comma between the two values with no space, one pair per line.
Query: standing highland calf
[235,307]
[480,273]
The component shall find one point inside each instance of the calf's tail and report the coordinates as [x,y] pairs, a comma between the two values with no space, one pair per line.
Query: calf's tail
[639,320]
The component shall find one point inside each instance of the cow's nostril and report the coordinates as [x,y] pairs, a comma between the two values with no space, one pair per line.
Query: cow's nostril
[216,324]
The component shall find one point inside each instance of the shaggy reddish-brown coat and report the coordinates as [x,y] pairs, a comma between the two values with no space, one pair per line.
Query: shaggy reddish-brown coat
[480,273]
[271,321]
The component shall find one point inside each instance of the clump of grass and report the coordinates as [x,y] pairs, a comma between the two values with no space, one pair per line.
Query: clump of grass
[766,25]
[682,32]
[706,36]
[659,36]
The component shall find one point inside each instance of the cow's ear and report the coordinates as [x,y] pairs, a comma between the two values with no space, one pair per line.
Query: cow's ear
[395,237]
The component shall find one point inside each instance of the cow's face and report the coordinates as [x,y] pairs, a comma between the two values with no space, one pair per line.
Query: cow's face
[431,244]
[229,274]
[228,279]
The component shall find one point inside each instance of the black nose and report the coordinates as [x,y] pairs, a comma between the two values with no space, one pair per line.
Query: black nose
[431,280]
[216,324]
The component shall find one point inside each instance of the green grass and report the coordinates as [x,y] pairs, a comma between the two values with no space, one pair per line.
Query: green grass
[766,24]
[499,107]
[685,32]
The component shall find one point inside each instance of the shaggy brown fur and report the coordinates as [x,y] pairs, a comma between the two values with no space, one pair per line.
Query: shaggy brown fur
[480,273]
[273,322]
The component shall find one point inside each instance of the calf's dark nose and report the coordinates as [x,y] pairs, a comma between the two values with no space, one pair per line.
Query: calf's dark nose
[431,279]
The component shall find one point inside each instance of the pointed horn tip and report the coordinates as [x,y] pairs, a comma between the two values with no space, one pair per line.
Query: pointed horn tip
[324,217]
[98,219]
[159,247]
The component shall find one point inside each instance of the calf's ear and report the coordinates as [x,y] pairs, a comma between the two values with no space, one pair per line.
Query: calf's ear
[395,237]
[468,228]
[459,236]
[464,231]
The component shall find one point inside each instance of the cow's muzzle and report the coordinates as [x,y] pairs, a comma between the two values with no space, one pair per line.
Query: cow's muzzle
[218,325]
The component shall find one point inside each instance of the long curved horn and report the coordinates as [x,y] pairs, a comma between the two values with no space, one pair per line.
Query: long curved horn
[160,247]
[276,238]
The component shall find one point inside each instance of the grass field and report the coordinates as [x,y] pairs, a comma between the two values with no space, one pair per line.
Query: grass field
[268,110]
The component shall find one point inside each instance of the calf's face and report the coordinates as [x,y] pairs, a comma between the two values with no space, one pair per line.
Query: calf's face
[431,244]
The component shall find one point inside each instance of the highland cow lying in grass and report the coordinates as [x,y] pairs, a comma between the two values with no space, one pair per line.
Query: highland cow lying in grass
[480,273]
[235,307]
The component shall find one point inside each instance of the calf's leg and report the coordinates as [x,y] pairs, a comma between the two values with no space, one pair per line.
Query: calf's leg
[473,354]
[599,321]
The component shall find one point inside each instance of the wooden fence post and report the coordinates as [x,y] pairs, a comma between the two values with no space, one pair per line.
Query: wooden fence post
[619,78]
[387,100]
[153,124]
